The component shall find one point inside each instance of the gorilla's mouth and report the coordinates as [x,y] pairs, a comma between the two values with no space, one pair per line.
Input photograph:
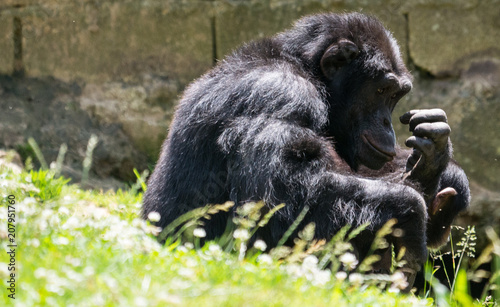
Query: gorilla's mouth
[387,153]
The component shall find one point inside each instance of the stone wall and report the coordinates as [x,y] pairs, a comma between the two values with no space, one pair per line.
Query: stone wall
[124,64]
[121,39]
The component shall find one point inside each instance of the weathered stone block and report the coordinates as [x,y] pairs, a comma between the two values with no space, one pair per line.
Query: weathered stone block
[444,41]
[118,40]
[48,110]
[6,43]
[144,111]
[6,4]
[237,22]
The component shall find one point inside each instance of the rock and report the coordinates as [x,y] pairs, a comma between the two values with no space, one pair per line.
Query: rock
[445,40]
[6,45]
[11,160]
[144,110]
[48,110]
[101,41]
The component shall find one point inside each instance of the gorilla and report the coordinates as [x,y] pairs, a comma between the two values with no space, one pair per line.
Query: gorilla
[304,118]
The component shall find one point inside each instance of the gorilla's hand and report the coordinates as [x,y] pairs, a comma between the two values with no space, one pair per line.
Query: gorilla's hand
[430,142]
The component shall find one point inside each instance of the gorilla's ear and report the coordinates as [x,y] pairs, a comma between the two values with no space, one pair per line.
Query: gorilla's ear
[338,55]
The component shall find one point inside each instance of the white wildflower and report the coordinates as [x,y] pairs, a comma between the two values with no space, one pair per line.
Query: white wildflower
[88,271]
[55,287]
[141,301]
[4,272]
[199,232]
[189,245]
[63,210]
[260,245]
[349,260]
[191,262]
[215,251]
[154,216]
[110,281]
[54,283]
[247,209]
[321,277]
[243,249]
[182,249]
[42,225]
[241,234]
[310,262]
[33,242]
[71,223]
[126,243]
[40,273]
[187,272]
[28,206]
[214,248]
[398,280]
[180,284]
[72,275]
[46,213]
[149,245]
[54,220]
[356,279]
[341,276]
[264,259]
[99,213]
[98,299]
[154,230]
[61,241]
[73,261]
[294,270]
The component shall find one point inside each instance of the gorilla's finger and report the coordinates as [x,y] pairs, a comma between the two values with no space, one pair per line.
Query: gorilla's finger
[427,116]
[405,118]
[425,146]
[434,131]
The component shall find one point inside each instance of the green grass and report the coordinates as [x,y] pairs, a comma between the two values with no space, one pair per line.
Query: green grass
[90,248]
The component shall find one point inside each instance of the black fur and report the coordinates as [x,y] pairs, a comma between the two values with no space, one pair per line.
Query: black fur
[303,118]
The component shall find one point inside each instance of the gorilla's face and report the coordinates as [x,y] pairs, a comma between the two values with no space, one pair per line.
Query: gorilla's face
[363,90]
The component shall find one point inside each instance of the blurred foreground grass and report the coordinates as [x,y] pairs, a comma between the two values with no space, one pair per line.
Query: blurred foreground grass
[89,248]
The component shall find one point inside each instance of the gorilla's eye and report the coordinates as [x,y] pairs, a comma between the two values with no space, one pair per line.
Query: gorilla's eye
[381,90]
[394,96]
